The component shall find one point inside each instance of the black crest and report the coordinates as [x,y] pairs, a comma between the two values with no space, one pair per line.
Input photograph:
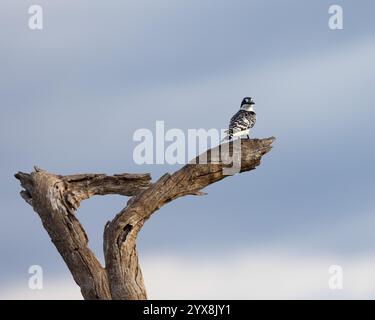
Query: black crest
[247,100]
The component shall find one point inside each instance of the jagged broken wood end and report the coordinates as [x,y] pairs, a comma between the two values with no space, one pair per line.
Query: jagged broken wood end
[56,198]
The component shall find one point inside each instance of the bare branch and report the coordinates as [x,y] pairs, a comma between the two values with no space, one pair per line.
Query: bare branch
[56,198]
[120,235]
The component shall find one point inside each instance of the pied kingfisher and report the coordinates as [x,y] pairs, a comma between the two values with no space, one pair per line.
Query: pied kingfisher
[243,120]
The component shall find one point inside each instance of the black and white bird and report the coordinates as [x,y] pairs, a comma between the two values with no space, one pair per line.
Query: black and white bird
[243,120]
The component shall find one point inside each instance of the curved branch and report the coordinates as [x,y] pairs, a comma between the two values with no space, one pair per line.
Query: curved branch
[55,199]
[125,277]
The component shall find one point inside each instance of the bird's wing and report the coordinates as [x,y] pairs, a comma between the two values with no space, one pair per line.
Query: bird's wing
[242,121]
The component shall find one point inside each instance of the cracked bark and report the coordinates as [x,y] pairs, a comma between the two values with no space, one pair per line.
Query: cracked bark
[56,198]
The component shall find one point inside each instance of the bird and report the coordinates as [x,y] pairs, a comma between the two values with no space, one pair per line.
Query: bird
[241,123]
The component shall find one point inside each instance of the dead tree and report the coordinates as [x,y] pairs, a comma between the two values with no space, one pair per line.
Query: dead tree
[55,199]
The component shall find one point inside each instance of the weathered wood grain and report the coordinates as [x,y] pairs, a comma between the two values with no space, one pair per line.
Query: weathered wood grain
[56,198]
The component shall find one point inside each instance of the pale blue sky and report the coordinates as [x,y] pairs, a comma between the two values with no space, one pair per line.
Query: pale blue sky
[73,94]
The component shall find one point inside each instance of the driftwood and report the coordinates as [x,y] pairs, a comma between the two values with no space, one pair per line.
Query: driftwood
[56,198]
